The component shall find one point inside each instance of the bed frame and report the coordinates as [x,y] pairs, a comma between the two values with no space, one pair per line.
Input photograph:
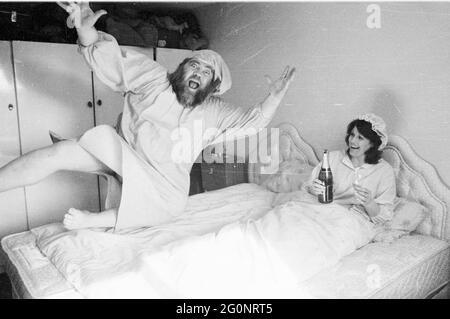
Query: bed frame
[417,179]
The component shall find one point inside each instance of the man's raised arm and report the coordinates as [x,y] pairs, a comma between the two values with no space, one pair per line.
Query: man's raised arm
[277,90]
[105,58]
[83,19]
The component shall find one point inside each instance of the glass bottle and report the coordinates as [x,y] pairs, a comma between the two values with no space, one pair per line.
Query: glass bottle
[326,176]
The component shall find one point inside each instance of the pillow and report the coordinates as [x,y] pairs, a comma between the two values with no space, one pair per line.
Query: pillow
[407,217]
[290,176]
[388,236]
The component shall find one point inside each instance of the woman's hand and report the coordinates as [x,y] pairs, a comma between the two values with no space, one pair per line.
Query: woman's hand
[363,195]
[80,14]
[279,87]
[366,199]
[317,188]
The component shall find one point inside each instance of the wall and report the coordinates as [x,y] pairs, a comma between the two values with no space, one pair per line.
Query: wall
[400,71]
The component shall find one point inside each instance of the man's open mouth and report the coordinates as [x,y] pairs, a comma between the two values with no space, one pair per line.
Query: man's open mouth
[193,84]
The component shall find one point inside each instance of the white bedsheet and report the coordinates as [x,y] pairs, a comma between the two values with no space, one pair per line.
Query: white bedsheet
[87,257]
[229,244]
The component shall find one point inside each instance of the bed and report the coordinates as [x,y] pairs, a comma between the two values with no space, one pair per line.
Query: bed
[402,264]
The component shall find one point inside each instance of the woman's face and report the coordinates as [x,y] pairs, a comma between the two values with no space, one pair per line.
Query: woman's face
[358,144]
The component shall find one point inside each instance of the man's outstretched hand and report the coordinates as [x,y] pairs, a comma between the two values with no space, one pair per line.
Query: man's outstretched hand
[80,14]
[279,87]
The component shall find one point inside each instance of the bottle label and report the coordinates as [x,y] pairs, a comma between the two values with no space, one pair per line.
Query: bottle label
[327,196]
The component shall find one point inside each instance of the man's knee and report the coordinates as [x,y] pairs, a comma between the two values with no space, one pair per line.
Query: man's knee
[69,155]
[61,154]
[104,129]
[61,149]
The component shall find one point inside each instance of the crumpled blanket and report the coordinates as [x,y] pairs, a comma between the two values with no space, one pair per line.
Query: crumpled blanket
[94,257]
[230,244]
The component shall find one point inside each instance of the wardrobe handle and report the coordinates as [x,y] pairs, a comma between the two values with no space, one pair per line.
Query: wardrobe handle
[99,102]
[89,104]
[10,107]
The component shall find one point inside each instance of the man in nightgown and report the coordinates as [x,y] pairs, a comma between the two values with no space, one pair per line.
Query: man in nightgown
[148,175]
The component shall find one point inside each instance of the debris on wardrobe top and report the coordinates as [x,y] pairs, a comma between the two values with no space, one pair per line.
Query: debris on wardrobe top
[145,24]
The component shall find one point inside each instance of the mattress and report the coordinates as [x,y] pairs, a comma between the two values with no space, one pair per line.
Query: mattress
[32,275]
[414,266]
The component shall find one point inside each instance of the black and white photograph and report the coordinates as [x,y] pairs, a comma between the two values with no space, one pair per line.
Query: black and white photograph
[235,152]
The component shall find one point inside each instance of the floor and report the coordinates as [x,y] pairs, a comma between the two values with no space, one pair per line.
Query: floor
[5,287]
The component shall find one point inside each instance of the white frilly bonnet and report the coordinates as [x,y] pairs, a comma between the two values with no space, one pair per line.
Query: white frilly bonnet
[378,126]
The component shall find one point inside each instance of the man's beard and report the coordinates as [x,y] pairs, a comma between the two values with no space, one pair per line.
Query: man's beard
[186,97]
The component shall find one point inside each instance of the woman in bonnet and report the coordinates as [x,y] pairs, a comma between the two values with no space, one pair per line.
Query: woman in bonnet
[362,180]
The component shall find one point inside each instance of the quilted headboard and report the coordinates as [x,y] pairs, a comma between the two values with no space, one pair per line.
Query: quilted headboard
[416,179]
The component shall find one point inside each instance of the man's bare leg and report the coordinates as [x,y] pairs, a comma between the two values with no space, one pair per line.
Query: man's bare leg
[77,219]
[34,166]
[65,155]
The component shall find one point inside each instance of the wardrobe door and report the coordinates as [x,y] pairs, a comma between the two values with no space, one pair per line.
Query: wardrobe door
[54,91]
[13,216]
[108,106]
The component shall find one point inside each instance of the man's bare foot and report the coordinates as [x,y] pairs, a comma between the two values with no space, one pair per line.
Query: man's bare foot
[80,219]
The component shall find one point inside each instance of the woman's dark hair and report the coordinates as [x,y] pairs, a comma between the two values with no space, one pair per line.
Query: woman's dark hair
[373,154]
